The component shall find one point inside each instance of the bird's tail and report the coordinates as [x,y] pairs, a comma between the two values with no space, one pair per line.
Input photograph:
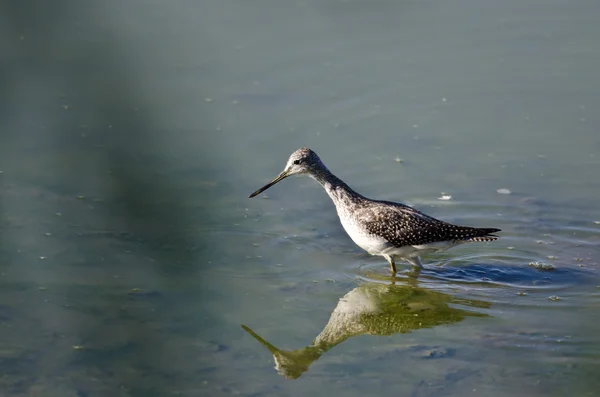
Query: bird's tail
[484,234]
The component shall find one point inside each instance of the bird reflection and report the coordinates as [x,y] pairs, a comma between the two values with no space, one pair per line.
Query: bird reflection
[374,309]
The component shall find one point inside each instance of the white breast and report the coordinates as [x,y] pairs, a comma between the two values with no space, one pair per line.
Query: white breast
[369,242]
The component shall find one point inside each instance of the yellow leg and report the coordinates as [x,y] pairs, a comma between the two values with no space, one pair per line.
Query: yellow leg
[414,272]
[392,266]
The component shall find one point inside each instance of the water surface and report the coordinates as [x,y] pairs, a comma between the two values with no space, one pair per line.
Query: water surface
[132,134]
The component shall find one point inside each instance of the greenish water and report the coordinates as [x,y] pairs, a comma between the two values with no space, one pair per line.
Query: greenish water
[133,132]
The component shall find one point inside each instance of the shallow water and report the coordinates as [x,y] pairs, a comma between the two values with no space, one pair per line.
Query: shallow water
[130,256]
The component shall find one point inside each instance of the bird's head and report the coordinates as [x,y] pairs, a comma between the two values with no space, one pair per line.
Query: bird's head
[302,161]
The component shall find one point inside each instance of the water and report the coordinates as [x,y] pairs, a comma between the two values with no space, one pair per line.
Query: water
[132,134]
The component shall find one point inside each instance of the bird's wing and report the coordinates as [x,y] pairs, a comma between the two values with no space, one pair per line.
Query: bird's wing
[401,226]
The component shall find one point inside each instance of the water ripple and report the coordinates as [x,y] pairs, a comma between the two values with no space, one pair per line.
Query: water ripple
[517,271]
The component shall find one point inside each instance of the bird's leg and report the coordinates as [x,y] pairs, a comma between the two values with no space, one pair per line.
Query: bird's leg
[417,266]
[414,272]
[392,264]
[415,261]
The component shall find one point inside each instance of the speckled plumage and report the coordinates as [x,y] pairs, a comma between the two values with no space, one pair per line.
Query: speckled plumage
[402,225]
[385,228]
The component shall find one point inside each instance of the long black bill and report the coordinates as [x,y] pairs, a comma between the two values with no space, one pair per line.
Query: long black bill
[280,177]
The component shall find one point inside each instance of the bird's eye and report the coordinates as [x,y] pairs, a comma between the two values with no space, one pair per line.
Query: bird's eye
[296,162]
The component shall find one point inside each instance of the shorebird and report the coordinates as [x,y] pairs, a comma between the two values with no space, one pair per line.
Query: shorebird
[384,228]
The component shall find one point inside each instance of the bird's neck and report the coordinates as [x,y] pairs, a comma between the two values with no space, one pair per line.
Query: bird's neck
[337,189]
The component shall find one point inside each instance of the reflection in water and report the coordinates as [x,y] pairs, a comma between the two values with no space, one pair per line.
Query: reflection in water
[374,309]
